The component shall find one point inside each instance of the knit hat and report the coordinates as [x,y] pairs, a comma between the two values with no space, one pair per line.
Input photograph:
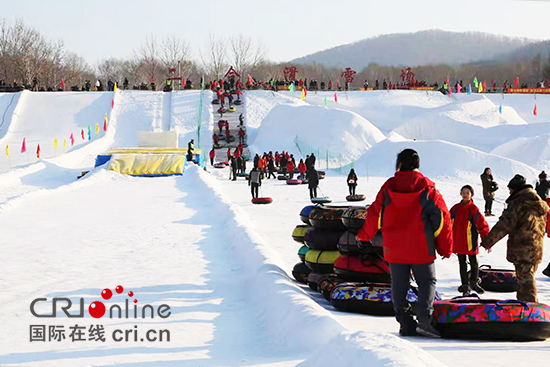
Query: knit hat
[517,183]
[542,175]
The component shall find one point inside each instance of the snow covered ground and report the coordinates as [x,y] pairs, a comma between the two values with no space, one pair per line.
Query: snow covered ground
[223,265]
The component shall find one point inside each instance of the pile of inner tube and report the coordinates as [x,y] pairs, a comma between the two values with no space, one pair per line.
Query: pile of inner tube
[299,232]
[262,200]
[474,318]
[321,261]
[366,268]
[354,217]
[294,182]
[322,239]
[498,280]
[300,272]
[358,197]
[327,217]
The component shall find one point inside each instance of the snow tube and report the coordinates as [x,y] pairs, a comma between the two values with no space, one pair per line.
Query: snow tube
[302,253]
[498,280]
[471,318]
[231,109]
[304,181]
[313,280]
[371,269]
[282,178]
[300,272]
[354,217]
[321,261]
[241,174]
[321,200]
[359,197]
[219,165]
[326,284]
[370,298]
[304,214]
[348,244]
[216,101]
[320,239]
[262,201]
[299,232]
[222,110]
[321,174]
[325,217]
[293,182]
[225,163]
[238,102]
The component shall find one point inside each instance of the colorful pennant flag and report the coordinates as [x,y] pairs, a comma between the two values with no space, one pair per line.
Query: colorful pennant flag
[72,139]
[64,144]
[458,88]
[24,146]
[516,82]
[535,110]
[55,144]
[105,125]
[89,132]
[326,102]
[82,134]
[62,84]
[484,86]
[115,88]
[500,109]
[475,82]
[336,97]
[38,151]
[450,91]
[480,88]
[113,103]
[97,128]
[8,150]
[469,89]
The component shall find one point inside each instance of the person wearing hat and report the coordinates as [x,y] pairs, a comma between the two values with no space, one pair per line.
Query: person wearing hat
[190,148]
[524,221]
[542,186]
[416,224]
[489,188]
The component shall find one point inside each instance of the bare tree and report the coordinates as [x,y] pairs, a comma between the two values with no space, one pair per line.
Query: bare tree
[147,56]
[175,52]
[245,54]
[214,57]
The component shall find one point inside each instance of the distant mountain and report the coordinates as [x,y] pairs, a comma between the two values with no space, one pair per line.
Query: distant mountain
[527,52]
[429,47]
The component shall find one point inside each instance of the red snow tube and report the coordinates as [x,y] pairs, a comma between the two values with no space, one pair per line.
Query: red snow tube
[474,318]
[358,197]
[301,272]
[293,182]
[362,269]
[327,217]
[320,239]
[262,201]
[498,280]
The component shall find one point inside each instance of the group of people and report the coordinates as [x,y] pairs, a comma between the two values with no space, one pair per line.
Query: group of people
[430,228]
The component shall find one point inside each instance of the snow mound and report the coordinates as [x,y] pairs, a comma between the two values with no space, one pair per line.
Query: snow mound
[440,159]
[316,128]
[534,151]
[524,104]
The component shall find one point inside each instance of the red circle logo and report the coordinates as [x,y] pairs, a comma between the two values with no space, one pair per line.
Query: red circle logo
[96,309]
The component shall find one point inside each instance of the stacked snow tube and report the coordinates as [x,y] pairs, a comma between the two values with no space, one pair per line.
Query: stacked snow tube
[327,217]
[326,284]
[322,239]
[300,272]
[371,269]
[321,261]
[299,232]
[313,280]
[354,217]
[304,214]
[498,280]
[359,197]
[293,182]
[368,298]
[302,252]
[470,318]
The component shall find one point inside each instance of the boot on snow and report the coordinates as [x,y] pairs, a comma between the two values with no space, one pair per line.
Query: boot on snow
[474,285]
[547,271]
[465,289]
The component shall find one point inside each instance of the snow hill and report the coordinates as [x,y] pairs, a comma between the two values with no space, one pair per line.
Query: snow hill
[223,265]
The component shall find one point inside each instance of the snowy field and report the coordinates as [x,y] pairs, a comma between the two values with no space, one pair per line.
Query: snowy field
[223,265]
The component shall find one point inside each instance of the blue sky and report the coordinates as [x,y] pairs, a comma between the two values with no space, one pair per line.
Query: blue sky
[100,29]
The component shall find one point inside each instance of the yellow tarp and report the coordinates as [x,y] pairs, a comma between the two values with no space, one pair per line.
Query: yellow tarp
[147,164]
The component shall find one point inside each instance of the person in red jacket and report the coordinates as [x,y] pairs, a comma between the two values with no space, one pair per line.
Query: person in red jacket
[216,140]
[415,224]
[468,225]
[302,169]
[228,153]
[221,124]
[290,168]
[227,135]
[241,136]
[212,156]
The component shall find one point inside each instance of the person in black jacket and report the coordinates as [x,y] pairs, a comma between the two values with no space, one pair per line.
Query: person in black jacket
[271,167]
[352,181]
[489,188]
[254,181]
[542,186]
[233,172]
[313,182]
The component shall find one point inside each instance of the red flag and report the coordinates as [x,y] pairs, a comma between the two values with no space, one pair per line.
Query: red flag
[516,82]
[38,151]
[535,110]
[62,84]
[105,125]
[449,84]
[485,85]
[82,134]
[305,92]
[184,82]
[72,139]
[151,80]
[250,80]
[24,146]
[113,103]
[336,97]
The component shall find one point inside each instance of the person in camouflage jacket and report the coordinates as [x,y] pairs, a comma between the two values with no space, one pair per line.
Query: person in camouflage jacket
[524,221]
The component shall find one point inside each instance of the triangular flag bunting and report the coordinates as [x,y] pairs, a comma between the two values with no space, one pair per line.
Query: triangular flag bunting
[24,146]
